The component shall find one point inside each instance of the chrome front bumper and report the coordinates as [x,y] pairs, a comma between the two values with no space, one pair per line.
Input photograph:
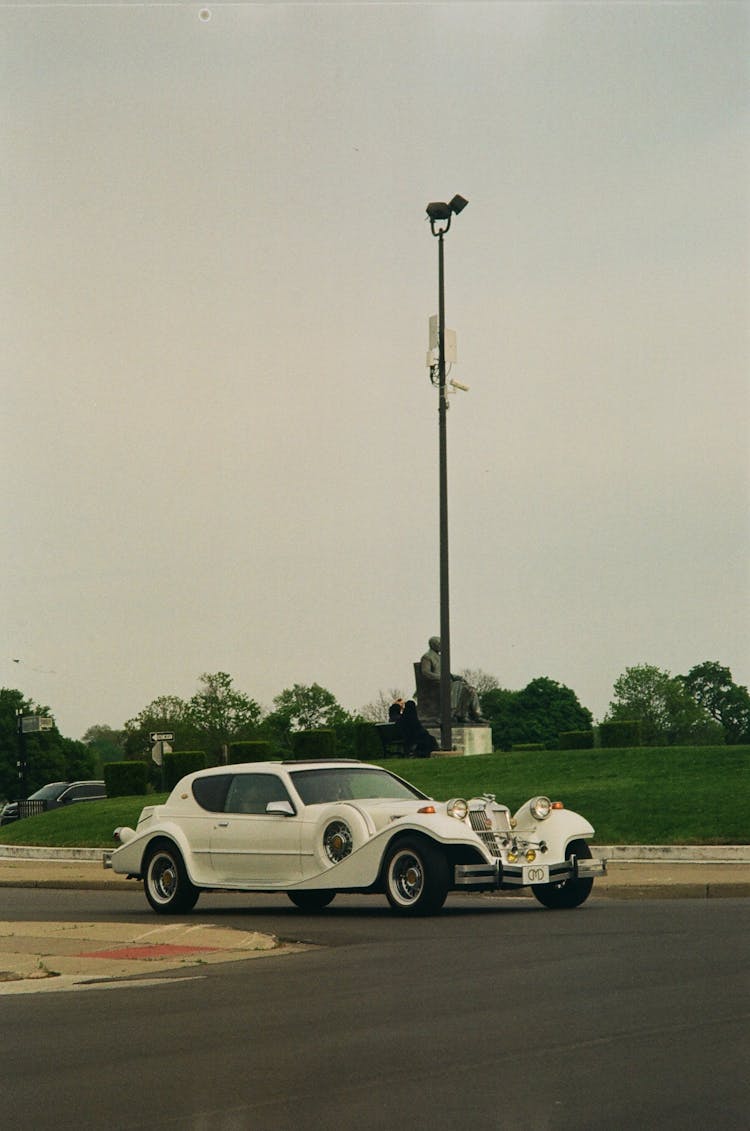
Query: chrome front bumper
[489,877]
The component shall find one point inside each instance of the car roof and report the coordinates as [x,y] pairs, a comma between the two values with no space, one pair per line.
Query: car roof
[264,767]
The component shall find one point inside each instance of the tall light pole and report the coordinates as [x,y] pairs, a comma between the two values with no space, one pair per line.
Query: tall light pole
[440,216]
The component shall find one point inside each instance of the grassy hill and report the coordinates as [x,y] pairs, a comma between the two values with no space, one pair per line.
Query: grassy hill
[660,795]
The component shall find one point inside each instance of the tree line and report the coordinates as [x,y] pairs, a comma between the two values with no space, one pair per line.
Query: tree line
[703,707]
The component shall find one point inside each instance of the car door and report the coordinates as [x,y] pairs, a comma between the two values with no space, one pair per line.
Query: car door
[249,845]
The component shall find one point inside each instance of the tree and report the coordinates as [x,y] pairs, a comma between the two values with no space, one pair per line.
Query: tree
[49,756]
[166,713]
[216,715]
[481,680]
[106,744]
[538,713]
[220,714]
[309,708]
[377,710]
[711,686]
[668,714]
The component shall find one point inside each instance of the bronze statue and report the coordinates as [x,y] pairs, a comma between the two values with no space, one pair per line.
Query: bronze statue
[464,698]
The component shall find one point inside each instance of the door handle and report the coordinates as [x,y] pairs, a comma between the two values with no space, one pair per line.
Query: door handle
[222,825]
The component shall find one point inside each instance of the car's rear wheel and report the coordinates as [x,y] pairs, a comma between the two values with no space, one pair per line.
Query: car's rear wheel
[568,893]
[166,883]
[311,901]
[416,876]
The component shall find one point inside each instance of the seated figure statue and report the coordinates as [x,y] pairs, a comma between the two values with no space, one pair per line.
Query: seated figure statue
[464,698]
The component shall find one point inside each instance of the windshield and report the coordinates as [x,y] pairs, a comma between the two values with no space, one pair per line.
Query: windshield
[48,792]
[350,783]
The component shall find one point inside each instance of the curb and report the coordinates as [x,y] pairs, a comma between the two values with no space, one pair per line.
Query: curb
[613,853]
[66,855]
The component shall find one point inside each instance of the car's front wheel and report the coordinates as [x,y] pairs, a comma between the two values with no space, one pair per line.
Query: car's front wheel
[311,901]
[416,876]
[568,893]
[166,883]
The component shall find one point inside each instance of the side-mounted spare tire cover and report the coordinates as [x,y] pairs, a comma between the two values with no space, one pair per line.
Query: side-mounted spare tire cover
[338,834]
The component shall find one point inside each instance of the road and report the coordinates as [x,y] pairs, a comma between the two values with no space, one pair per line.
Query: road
[496,1014]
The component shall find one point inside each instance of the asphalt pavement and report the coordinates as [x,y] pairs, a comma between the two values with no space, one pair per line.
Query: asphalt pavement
[37,957]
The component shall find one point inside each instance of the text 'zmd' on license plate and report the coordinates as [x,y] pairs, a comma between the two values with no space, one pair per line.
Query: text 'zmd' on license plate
[536,873]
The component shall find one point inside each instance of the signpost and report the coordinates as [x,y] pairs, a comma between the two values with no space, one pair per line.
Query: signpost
[28,724]
[161,740]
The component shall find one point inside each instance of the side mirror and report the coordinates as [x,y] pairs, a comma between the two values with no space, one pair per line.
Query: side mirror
[282,808]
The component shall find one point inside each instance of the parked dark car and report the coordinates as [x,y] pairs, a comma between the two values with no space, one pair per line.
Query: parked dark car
[53,796]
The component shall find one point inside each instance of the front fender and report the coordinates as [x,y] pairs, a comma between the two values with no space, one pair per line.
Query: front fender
[557,831]
[363,867]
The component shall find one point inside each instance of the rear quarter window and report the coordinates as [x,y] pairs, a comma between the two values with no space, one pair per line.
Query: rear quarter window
[211,792]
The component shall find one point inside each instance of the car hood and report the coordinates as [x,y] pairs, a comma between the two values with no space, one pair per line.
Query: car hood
[382,811]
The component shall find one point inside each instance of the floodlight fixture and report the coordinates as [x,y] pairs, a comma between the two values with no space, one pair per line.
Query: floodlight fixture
[440,213]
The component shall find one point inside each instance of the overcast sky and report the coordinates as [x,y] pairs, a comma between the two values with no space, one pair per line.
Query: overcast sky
[219,439]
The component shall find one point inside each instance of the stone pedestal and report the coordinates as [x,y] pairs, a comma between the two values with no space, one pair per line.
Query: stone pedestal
[468,739]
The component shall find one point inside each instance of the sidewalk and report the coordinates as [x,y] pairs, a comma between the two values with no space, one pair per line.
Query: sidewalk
[633,871]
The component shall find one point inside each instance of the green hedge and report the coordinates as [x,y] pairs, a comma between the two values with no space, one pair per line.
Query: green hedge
[313,744]
[253,750]
[126,779]
[619,735]
[520,747]
[177,763]
[576,740]
[367,744]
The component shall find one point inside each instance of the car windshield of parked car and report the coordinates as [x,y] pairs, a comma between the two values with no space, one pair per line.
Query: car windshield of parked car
[350,783]
[48,792]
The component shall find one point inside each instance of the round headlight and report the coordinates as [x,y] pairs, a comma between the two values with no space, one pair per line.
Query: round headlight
[540,808]
[458,808]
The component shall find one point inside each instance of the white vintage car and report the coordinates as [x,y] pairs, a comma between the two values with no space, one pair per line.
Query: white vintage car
[312,829]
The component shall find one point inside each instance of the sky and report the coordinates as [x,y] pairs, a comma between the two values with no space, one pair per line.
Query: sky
[219,438]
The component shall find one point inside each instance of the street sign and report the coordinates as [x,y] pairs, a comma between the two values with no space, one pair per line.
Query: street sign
[159,749]
[161,736]
[32,724]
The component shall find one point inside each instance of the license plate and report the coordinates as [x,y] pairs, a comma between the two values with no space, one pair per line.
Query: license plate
[536,873]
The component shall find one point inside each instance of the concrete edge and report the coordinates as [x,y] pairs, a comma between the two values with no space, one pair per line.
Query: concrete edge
[616,853]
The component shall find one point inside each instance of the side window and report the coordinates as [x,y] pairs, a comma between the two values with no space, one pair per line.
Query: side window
[210,792]
[251,793]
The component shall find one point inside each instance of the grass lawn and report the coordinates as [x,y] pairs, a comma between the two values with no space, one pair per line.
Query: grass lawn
[660,795]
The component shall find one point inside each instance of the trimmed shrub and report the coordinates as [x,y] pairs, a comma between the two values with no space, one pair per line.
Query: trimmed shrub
[526,746]
[177,763]
[576,740]
[367,744]
[626,733]
[126,779]
[251,750]
[622,734]
[313,744]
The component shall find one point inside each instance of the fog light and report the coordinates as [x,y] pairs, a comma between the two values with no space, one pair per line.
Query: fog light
[512,857]
[530,855]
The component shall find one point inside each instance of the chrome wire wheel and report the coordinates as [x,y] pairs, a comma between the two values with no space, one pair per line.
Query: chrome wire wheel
[166,883]
[162,877]
[406,877]
[416,876]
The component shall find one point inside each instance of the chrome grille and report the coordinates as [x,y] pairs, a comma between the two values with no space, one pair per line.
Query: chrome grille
[482,826]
